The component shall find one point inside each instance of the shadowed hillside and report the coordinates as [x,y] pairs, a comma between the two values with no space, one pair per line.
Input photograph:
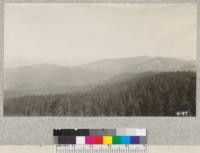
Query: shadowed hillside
[155,94]
[47,79]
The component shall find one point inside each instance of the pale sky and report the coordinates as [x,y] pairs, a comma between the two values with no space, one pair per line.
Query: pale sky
[71,34]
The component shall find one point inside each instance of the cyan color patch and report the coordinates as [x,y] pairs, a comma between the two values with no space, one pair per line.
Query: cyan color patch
[125,140]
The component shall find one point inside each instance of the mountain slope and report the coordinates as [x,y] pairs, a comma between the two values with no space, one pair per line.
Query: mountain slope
[52,79]
[138,65]
[43,75]
[161,94]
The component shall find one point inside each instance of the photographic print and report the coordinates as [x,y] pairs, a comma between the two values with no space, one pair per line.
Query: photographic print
[100,59]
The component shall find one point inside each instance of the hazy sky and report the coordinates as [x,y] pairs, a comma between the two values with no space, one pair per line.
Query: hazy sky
[71,34]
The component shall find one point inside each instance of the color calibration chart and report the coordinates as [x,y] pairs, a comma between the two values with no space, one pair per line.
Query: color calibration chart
[100,140]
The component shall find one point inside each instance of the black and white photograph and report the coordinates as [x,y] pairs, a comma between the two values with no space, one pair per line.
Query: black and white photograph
[100,59]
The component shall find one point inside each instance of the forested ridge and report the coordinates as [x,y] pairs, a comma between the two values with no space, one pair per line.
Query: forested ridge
[157,94]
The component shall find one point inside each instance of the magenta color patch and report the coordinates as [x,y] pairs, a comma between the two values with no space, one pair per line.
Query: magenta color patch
[89,140]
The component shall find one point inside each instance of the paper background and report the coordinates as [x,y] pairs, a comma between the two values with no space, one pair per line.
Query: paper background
[38,130]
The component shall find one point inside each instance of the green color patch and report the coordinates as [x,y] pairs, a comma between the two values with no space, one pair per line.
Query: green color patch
[116,140]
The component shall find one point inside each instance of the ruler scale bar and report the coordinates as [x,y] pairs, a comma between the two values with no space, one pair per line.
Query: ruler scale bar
[102,149]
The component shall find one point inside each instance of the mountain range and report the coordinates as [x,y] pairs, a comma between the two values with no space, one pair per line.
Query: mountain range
[46,78]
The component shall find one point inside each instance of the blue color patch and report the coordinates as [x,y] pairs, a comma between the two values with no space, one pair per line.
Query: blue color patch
[135,140]
[125,140]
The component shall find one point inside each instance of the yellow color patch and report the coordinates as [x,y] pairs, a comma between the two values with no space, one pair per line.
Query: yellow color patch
[107,139]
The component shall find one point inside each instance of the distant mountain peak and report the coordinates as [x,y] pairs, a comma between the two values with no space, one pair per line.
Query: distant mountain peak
[112,70]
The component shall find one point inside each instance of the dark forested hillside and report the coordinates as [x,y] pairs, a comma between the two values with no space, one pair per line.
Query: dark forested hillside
[160,94]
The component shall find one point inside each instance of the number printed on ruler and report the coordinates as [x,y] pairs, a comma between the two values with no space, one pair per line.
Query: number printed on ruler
[100,149]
